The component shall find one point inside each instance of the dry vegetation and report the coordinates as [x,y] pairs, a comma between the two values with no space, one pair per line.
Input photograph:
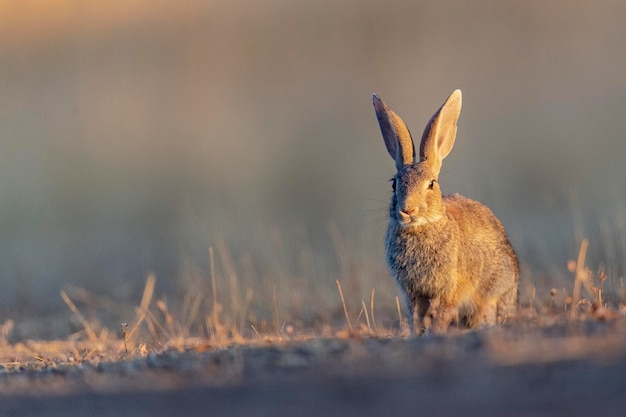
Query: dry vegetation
[202,345]
[564,356]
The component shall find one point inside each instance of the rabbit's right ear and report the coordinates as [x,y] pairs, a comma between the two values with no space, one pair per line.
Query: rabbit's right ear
[395,133]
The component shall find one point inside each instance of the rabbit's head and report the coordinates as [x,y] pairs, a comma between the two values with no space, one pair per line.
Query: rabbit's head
[417,198]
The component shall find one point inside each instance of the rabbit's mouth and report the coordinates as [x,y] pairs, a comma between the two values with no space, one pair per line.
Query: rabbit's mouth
[413,223]
[411,220]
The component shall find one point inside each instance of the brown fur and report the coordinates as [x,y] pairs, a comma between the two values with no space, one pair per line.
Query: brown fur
[450,255]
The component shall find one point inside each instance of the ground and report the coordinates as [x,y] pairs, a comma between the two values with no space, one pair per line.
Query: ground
[569,368]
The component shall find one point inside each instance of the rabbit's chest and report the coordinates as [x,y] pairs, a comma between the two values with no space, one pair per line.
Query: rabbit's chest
[422,262]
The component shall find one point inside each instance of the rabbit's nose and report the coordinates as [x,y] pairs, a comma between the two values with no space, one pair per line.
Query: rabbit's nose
[407,212]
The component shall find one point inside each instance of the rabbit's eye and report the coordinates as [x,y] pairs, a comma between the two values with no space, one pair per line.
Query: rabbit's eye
[431,184]
[393,184]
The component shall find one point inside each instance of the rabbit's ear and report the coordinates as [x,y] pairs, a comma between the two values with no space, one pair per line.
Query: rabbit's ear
[440,133]
[395,133]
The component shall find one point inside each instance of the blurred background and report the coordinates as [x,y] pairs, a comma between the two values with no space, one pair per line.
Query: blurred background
[136,134]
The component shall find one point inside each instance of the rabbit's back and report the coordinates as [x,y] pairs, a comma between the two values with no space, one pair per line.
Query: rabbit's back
[486,259]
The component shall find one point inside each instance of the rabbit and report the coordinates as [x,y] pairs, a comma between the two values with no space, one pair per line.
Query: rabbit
[450,255]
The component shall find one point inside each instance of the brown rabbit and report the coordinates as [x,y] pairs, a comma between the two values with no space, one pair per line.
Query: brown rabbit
[450,255]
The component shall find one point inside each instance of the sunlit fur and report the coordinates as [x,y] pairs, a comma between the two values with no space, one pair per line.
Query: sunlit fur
[450,255]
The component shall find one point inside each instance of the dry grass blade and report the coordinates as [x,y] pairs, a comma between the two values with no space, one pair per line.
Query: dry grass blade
[153,323]
[276,316]
[367,317]
[148,292]
[581,276]
[399,311]
[343,302]
[91,335]
[215,328]
[229,266]
[146,298]
[94,300]
[192,314]
[372,310]
[212,273]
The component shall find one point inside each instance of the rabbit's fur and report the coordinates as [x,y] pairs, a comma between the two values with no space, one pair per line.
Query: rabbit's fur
[450,255]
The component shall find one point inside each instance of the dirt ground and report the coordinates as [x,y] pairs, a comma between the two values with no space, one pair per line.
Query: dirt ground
[568,369]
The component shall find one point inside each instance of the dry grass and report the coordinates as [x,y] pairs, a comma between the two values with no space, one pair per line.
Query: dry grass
[202,325]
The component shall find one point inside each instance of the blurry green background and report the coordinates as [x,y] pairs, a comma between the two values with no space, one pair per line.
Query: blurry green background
[136,134]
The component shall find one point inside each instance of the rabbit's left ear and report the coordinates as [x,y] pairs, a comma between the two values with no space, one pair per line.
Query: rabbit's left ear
[440,132]
[395,134]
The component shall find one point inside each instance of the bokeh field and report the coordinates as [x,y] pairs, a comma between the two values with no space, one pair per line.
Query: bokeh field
[137,136]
